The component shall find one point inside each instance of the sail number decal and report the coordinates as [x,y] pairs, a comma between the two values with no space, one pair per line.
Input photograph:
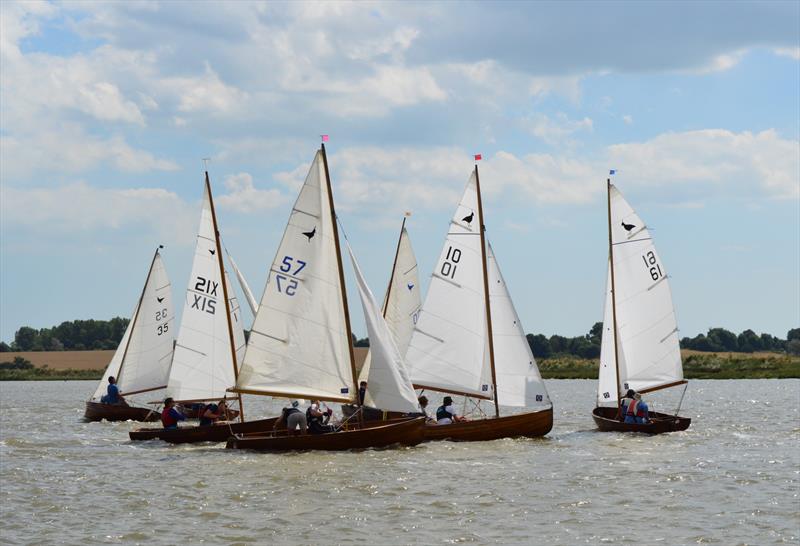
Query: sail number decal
[451,259]
[206,300]
[283,282]
[162,328]
[652,265]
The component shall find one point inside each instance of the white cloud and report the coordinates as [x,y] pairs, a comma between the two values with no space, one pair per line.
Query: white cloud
[244,197]
[791,52]
[556,130]
[628,119]
[206,93]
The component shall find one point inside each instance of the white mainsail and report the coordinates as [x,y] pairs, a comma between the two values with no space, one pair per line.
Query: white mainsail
[142,359]
[519,383]
[403,302]
[248,294]
[389,385]
[299,345]
[202,366]
[448,348]
[648,352]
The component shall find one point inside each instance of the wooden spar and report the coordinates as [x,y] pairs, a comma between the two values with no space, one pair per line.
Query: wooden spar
[147,390]
[666,386]
[136,316]
[613,291]
[276,394]
[224,281]
[450,391]
[481,228]
[341,283]
[394,267]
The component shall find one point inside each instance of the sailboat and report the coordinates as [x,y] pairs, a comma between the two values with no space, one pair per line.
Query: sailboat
[469,340]
[300,345]
[639,348]
[400,310]
[141,363]
[210,341]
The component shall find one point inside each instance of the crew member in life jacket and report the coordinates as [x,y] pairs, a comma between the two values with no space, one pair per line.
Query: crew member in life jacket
[209,415]
[170,415]
[362,392]
[113,395]
[446,413]
[623,407]
[637,411]
[291,418]
[318,419]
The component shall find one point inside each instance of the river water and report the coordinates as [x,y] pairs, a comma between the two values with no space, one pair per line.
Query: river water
[732,478]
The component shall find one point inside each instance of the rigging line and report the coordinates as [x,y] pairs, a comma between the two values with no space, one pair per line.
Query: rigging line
[685,386]
[633,241]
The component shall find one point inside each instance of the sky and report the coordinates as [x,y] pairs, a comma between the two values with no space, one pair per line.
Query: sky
[108,108]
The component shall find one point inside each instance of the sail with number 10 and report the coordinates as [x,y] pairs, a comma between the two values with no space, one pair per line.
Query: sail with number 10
[640,348]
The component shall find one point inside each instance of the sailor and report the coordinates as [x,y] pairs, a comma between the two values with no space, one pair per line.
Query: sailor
[362,392]
[623,407]
[170,415]
[292,418]
[446,413]
[210,415]
[318,419]
[113,395]
[637,411]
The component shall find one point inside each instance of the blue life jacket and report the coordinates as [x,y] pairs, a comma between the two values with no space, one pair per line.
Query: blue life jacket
[442,413]
[113,394]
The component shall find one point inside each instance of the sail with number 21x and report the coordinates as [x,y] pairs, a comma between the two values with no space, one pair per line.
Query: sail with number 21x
[640,349]
[469,340]
[300,345]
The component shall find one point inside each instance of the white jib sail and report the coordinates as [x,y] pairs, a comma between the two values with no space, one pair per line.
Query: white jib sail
[404,301]
[202,367]
[389,385]
[248,294]
[447,351]
[146,363]
[647,332]
[519,383]
[299,343]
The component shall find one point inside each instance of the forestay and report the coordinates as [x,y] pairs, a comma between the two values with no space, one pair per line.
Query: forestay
[403,301]
[299,343]
[647,333]
[448,348]
[519,383]
[389,384]
[142,359]
[203,367]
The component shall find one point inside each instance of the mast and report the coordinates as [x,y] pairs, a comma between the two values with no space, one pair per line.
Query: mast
[136,315]
[613,291]
[481,228]
[394,268]
[341,282]
[224,293]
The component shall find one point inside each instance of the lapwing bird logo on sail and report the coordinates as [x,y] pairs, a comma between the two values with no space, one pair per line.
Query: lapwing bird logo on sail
[310,234]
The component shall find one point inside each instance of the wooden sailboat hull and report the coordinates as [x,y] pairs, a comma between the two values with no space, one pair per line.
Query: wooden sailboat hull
[370,414]
[408,433]
[606,420]
[218,432]
[96,411]
[530,424]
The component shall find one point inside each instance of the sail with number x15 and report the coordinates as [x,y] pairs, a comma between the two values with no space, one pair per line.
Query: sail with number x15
[647,350]
[390,387]
[202,366]
[447,351]
[402,303]
[519,383]
[299,343]
[141,362]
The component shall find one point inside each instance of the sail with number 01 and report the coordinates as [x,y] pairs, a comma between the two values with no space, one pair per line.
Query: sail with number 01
[203,365]
[142,360]
[447,351]
[402,302]
[639,349]
[299,343]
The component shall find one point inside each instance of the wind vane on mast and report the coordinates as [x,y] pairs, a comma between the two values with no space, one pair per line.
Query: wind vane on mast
[205,163]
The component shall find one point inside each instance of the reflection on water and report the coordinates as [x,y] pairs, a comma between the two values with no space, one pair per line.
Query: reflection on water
[732,478]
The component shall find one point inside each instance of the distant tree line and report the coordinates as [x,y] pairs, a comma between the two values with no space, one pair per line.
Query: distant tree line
[79,335]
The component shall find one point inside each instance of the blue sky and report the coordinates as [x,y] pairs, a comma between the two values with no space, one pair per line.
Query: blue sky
[106,110]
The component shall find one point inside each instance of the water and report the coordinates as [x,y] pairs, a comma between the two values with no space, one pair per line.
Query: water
[732,478]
